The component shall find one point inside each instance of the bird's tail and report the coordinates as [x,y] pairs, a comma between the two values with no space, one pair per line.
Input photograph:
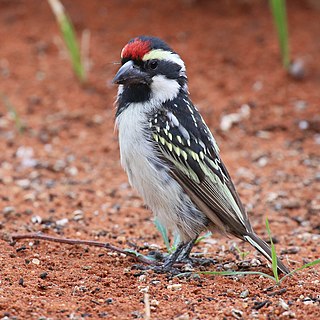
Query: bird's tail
[265,249]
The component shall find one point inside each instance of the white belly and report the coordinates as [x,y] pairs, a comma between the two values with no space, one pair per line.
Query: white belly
[163,195]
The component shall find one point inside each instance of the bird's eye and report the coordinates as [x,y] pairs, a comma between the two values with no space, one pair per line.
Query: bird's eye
[153,64]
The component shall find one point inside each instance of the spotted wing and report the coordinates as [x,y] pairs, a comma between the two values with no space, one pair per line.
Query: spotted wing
[188,146]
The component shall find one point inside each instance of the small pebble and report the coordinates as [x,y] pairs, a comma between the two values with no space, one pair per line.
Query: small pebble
[237,313]
[143,289]
[229,266]
[23,183]
[35,261]
[62,222]
[25,154]
[184,316]
[29,197]
[308,300]
[292,250]
[297,69]
[36,219]
[244,294]
[142,278]
[263,161]
[21,282]
[263,134]
[21,249]
[258,85]
[78,215]
[176,286]
[291,204]
[154,302]
[72,171]
[59,165]
[97,119]
[187,268]
[289,314]
[283,304]
[300,105]
[303,125]
[43,275]
[8,210]
[260,304]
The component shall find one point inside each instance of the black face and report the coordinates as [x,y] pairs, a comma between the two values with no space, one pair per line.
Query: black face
[160,67]
[137,75]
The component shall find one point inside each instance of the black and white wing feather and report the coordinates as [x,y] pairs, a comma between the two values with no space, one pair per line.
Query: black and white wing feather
[187,145]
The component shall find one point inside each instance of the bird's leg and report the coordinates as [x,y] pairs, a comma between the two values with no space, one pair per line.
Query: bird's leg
[172,258]
[184,256]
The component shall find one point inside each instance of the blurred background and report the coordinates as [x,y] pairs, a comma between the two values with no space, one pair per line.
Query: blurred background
[59,156]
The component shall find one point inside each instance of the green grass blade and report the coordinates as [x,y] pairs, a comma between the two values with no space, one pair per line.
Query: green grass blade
[307,265]
[73,48]
[69,37]
[176,241]
[205,236]
[278,8]
[163,233]
[242,254]
[137,254]
[13,112]
[232,273]
[273,254]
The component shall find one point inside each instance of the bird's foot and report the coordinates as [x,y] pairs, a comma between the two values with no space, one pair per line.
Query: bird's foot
[172,271]
[177,262]
[199,261]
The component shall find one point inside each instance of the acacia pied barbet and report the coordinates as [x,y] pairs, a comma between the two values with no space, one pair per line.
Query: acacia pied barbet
[169,153]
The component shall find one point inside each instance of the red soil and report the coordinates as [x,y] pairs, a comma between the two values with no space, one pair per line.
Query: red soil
[73,170]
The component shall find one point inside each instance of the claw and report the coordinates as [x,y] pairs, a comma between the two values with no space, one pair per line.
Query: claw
[180,256]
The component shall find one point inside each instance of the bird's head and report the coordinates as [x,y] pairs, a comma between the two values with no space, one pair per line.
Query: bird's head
[150,70]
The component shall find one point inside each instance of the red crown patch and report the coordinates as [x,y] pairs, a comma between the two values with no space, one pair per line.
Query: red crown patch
[135,50]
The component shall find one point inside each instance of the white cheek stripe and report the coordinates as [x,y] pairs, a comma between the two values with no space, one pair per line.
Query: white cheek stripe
[163,89]
[164,55]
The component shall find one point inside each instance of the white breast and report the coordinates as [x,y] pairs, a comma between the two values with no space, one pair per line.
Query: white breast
[150,177]
[136,151]
[159,191]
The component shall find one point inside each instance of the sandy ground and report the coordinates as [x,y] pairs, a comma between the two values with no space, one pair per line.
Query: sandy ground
[62,175]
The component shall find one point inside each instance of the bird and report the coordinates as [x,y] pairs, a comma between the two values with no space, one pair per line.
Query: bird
[170,155]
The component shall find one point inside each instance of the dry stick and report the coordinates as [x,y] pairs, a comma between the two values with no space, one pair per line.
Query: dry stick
[147,313]
[106,245]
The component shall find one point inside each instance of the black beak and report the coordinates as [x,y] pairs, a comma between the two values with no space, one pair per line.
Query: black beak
[129,73]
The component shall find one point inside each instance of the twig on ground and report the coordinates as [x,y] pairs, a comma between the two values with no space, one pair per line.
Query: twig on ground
[37,236]
[147,313]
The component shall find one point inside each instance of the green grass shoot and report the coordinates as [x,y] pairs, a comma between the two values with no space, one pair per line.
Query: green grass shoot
[265,275]
[278,8]
[275,276]
[273,254]
[12,112]
[242,254]
[176,238]
[205,236]
[307,265]
[69,38]
[163,233]
[138,254]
